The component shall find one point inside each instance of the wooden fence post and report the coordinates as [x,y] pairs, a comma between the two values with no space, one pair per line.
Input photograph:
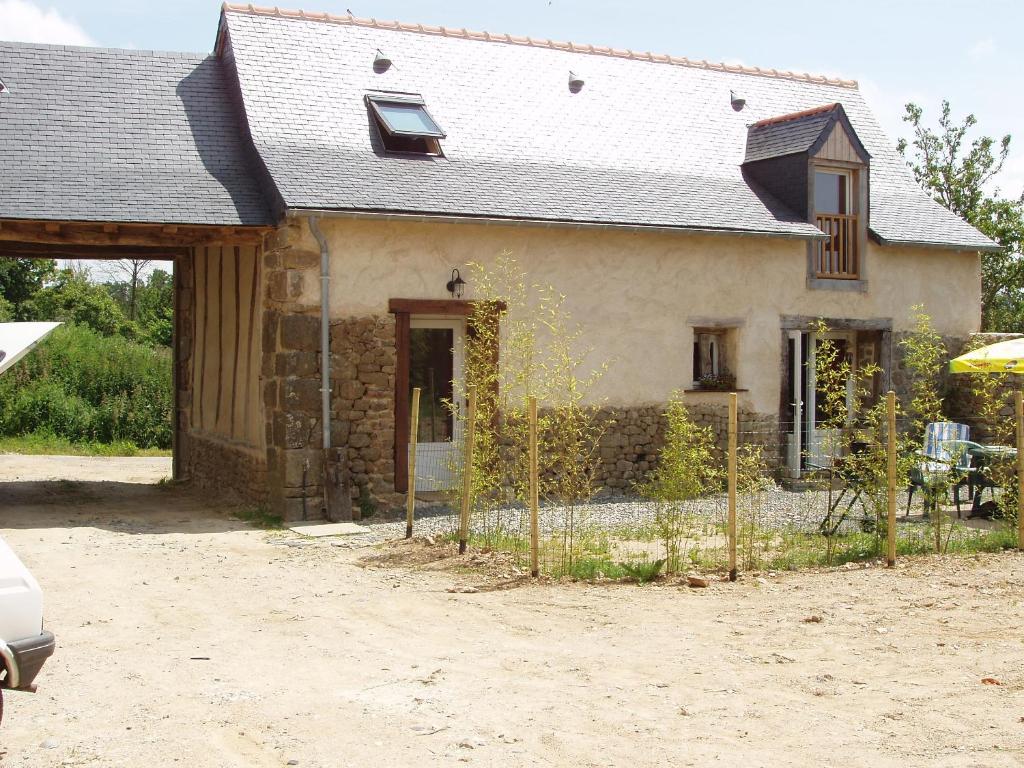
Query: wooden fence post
[733,418]
[414,425]
[890,452]
[534,494]
[467,471]
[1018,403]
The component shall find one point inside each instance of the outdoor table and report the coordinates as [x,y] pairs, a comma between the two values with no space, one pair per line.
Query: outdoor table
[982,457]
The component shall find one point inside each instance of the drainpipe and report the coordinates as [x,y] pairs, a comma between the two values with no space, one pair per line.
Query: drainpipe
[325,344]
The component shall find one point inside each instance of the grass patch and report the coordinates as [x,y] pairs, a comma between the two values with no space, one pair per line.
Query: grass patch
[90,388]
[593,568]
[791,551]
[48,444]
[260,517]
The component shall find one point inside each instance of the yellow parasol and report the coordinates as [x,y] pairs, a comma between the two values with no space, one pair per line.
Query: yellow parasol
[1003,357]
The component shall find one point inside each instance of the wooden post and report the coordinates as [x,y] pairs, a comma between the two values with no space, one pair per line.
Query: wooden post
[467,470]
[414,425]
[890,452]
[1018,403]
[731,535]
[534,494]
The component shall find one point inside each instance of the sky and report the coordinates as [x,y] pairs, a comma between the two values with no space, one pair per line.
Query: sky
[900,50]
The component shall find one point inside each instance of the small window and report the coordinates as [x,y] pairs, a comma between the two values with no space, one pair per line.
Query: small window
[831,192]
[405,125]
[710,370]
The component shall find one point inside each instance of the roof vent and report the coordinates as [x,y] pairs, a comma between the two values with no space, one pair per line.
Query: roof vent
[575,82]
[381,63]
[738,102]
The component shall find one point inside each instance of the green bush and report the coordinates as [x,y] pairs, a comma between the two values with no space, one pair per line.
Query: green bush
[86,387]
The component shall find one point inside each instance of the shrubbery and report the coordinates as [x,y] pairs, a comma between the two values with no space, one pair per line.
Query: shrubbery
[87,387]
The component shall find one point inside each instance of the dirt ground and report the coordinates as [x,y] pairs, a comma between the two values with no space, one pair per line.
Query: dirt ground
[186,637]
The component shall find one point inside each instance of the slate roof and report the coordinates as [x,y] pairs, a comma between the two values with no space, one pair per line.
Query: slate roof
[89,134]
[648,141]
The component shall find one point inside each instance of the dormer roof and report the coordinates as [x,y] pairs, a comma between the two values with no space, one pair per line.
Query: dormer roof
[803,132]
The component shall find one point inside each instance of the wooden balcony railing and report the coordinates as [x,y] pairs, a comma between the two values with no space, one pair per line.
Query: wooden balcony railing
[836,258]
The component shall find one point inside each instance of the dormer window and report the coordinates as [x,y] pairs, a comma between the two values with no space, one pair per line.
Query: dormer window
[831,192]
[405,125]
[837,257]
[814,163]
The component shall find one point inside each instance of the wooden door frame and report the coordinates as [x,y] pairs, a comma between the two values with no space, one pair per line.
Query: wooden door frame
[403,309]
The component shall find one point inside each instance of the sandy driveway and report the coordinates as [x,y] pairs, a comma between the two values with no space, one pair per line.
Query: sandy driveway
[188,638]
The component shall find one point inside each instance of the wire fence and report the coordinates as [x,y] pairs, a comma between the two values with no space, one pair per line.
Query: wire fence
[803,498]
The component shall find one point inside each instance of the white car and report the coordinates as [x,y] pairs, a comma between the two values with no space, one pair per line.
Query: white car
[24,644]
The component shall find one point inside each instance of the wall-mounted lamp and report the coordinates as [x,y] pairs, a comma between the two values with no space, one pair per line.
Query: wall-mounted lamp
[456,286]
[575,82]
[381,63]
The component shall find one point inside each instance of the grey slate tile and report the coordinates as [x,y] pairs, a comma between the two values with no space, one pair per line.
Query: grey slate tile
[116,135]
[643,143]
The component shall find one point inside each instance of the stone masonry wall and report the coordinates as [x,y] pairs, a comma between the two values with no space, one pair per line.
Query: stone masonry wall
[362,389]
[363,371]
[230,472]
[291,377]
[959,402]
[633,438]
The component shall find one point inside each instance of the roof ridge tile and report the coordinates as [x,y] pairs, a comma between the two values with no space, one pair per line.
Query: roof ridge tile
[796,115]
[618,53]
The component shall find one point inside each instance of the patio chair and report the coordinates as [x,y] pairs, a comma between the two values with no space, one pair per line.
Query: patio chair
[945,457]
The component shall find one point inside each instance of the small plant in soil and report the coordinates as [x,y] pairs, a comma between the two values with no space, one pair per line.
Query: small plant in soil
[644,571]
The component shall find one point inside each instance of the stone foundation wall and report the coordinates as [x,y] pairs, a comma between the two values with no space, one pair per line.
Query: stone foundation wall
[233,473]
[633,438]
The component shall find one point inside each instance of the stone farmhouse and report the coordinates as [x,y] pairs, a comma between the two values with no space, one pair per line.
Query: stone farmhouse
[318,179]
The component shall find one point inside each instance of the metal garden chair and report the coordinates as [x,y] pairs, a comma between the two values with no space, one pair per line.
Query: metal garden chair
[945,462]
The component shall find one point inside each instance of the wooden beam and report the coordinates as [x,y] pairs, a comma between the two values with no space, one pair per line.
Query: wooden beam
[18,250]
[401,401]
[450,307]
[114,233]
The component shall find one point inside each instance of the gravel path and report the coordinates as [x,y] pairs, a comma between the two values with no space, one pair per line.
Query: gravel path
[775,509]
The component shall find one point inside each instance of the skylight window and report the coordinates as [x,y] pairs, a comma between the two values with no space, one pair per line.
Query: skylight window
[405,124]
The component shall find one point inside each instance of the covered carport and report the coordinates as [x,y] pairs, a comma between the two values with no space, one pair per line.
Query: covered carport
[116,154]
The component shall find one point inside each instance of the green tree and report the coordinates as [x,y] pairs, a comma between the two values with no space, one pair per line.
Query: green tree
[153,301]
[155,308]
[19,281]
[70,297]
[957,171]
